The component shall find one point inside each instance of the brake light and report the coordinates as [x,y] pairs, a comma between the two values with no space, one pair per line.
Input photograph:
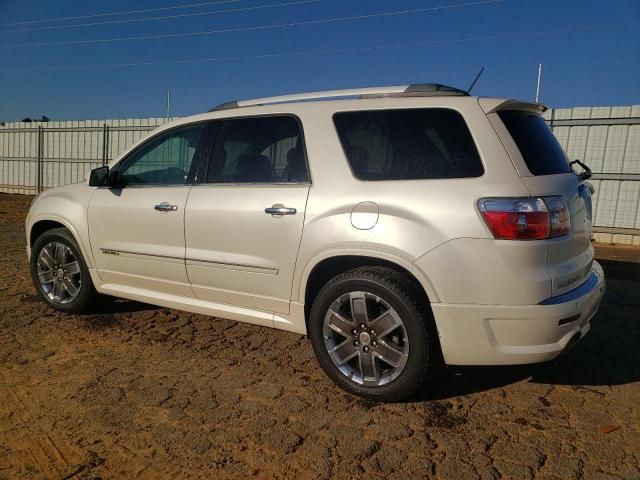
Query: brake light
[526,218]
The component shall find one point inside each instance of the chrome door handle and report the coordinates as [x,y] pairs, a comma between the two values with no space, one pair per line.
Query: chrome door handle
[280,210]
[165,207]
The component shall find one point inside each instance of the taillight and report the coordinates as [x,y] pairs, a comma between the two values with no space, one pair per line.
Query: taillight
[559,216]
[526,218]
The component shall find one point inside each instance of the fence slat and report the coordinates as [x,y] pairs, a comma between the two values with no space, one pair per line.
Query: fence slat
[38,156]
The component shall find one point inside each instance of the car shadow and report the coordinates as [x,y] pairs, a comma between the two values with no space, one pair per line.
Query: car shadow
[107,312]
[607,355]
[112,305]
[104,305]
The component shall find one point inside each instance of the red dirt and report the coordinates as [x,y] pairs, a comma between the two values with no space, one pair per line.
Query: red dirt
[140,391]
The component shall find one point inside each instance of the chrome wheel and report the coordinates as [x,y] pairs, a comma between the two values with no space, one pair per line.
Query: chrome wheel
[59,273]
[366,338]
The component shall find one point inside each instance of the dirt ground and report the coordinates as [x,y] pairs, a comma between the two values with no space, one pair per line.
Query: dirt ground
[141,391]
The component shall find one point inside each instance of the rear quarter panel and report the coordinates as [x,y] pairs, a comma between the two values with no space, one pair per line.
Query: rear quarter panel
[414,216]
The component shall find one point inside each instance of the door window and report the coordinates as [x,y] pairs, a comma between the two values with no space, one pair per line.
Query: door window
[259,150]
[164,160]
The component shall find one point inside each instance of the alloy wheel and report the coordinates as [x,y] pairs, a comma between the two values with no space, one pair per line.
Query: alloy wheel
[366,338]
[59,273]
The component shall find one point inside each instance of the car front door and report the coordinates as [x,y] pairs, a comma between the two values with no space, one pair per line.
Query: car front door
[243,224]
[136,226]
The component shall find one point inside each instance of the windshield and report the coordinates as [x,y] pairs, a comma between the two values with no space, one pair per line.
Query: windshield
[539,147]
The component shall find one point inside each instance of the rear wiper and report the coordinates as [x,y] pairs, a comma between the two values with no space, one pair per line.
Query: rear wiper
[587,171]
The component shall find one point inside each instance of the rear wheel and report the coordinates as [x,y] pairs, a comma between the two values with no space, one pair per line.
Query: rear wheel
[372,336]
[60,273]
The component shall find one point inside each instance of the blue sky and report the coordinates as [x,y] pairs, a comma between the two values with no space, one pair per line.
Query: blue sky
[582,64]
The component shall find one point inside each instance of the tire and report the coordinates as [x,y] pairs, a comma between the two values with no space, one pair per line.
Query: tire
[411,346]
[60,273]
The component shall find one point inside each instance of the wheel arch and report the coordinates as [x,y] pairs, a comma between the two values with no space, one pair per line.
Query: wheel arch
[44,223]
[328,265]
[41,226]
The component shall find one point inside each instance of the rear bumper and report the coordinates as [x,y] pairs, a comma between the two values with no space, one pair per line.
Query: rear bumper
[505,335]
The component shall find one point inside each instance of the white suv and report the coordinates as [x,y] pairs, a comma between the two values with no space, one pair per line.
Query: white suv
[401,230]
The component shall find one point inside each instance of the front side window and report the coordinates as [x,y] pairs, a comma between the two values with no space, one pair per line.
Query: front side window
[408,144]
[259,150]
[164,160]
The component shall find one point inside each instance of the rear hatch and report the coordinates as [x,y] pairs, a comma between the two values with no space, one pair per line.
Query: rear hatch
[545,170]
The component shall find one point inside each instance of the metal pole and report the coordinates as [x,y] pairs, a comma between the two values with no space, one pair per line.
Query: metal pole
[106,148]
[538,84]
[39,161]
[168,103]
[104,144]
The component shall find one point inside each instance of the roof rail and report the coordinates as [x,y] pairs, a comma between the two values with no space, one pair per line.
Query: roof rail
[413,90]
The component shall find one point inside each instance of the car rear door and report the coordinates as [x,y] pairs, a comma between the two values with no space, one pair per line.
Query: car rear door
[136,227]
[244,223]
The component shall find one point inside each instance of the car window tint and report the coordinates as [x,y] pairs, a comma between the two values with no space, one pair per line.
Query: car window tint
[538,145]
[259,150]
[164,160]
[408,144]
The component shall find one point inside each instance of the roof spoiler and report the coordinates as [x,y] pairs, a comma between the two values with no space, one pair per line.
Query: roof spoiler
[492,105]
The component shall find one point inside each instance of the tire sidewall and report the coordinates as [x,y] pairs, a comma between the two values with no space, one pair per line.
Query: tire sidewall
[413,324]
[86,286]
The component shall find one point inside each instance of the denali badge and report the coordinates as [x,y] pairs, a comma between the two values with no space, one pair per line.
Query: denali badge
[566,283]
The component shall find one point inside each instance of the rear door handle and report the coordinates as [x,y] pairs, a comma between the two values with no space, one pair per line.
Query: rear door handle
[279,209]
[166,207]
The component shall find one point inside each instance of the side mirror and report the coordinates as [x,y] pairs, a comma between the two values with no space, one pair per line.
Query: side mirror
[99,177]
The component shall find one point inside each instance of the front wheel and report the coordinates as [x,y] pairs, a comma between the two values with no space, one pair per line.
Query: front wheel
[372,336]
[60,273]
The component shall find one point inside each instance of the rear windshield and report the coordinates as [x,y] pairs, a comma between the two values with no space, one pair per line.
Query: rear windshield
[408,144]
[539,147]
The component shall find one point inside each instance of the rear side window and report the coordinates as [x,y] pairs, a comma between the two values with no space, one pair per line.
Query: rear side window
[259,150]
[408,144]
[539,147]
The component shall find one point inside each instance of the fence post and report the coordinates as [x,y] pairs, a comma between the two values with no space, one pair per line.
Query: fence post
[105,144]
[39,160]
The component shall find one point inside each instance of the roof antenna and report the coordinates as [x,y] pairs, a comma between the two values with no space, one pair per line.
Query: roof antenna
[473,84]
